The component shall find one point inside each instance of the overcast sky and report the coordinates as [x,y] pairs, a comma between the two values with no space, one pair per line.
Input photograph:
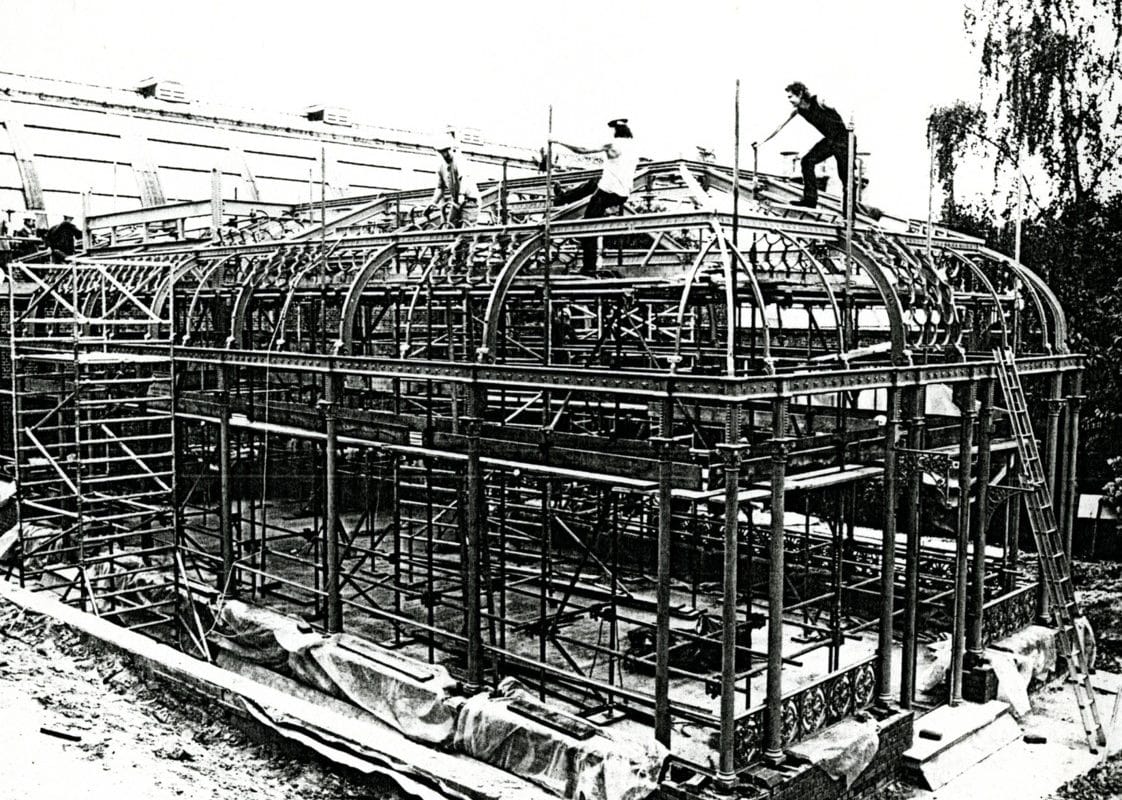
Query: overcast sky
[498,65]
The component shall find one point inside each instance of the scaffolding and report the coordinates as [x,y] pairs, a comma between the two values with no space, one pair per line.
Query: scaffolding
[95,441]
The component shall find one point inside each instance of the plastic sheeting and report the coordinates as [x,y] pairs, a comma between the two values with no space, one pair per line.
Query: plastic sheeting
[413,697]
[843,750]
[600,767]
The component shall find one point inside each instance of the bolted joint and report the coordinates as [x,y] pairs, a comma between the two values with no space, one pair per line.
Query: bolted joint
[326,408]
[472,426]
[732,453]
[781,446]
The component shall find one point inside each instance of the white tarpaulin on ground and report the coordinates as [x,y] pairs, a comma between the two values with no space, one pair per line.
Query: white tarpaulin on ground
[843,750]
[413,697]
[509,729]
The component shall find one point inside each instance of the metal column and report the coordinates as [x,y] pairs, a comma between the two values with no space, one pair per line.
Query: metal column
[662,630]
[331,511]
[916,403]
[773,742]
[1071,451]
[732,450]
[981,523]
[962,539]
[226,582]
[888,548]
[476,520]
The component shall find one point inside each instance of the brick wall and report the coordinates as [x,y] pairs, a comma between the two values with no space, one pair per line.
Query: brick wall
[811,782]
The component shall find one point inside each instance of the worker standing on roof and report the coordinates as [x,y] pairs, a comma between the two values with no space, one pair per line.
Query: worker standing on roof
[61,239]
[834,143]
[608,191]
[455,183]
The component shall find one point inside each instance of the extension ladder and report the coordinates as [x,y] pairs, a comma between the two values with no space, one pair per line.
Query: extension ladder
[1055,569]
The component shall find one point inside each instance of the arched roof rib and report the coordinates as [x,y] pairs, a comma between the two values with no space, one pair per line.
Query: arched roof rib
[783,253]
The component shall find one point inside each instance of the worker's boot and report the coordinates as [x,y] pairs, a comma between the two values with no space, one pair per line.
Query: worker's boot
[805,203]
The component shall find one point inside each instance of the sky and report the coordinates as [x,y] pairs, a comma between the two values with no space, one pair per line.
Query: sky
[669,66]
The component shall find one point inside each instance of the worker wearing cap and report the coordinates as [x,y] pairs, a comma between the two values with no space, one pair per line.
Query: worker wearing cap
[455,183]
[61,239]
[610,190]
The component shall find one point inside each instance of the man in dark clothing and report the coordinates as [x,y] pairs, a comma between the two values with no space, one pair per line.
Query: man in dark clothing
[61,238]
[834,143]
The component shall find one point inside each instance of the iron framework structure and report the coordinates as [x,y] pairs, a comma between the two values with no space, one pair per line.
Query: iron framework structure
[707,490]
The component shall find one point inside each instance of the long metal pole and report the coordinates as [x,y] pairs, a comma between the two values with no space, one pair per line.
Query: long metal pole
[888,547]
[930,192]
[736,168]
[962,539]
[1019,213]
[547,297]
[773,743]
[850,309]
[975,644]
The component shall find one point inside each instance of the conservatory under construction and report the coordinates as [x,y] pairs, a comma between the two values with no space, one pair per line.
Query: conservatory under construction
[729,491]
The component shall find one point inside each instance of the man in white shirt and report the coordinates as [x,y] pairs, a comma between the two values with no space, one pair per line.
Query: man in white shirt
[610,190]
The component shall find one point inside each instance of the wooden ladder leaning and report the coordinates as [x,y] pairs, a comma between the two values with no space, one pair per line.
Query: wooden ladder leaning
[1054,564]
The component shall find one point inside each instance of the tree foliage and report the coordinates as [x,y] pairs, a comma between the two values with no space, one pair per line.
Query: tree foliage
[952,131]
[1050,85]
[1049,95]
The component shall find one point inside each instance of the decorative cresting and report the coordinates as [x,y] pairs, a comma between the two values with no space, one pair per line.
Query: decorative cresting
[809,709]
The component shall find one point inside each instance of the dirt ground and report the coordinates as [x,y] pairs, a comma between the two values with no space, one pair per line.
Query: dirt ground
[132,739]
[1099,587]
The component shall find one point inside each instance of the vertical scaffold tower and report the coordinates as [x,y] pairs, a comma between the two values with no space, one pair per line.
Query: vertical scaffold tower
[95,440]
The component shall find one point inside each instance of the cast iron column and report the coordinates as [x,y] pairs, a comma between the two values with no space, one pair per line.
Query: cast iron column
[888,548]
[1071,451]
[662,630]
[962,539]
[917,404]
[732,450]
[773,743]
[476,520]
[975,644]
[226,582]
[331,512]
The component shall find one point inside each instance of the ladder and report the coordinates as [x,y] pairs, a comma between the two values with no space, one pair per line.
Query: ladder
[1054,565]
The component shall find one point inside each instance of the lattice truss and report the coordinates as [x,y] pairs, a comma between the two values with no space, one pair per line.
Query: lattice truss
[453,442]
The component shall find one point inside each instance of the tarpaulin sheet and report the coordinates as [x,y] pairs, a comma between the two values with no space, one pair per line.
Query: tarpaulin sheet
[599,767]
[413,697]
[843,750]
[1019,660]
[351,736]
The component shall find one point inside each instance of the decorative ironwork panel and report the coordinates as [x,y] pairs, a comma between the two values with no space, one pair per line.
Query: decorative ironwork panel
[1005,615]
[749,734]
[810,709]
